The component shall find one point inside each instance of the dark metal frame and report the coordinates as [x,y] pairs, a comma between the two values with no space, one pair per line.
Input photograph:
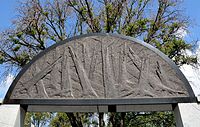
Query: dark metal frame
[90,102]
[133,101]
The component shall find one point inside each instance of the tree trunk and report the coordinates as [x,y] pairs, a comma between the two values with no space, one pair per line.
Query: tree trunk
[75,122]
[101,122]
[113,119]
[122,119]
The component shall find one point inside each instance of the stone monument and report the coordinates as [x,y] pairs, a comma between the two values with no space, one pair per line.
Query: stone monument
[100,73]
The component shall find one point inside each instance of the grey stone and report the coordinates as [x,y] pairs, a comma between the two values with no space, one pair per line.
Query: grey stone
[98,67]
[187,115]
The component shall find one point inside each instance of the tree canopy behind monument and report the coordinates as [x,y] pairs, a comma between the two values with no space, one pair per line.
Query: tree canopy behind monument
[41,23]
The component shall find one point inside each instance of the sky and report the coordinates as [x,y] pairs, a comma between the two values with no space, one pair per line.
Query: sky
[191,8]
[7,13]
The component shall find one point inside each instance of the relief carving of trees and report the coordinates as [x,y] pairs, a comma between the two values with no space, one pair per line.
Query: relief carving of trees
[122,73]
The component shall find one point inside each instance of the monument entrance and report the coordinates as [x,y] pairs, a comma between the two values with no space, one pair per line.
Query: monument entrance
[100,73]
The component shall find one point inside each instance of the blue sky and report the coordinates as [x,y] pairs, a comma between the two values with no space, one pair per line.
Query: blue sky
[7,13]
[191,8]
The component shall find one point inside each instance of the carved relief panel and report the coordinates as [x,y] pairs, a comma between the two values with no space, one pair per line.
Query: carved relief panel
[99,67]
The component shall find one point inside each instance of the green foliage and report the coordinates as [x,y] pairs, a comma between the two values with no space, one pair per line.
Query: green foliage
[37,119]
[115,119]
[83,10]
[46,13]
[31,31]
[60,120]
[23,58]
[16,48]
[142,119]
[150,119]
[14,40]
[134,29]
[52,20]
[19,34]
[27,120]
[2,59]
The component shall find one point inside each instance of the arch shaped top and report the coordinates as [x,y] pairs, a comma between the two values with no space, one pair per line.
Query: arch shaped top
[101,69]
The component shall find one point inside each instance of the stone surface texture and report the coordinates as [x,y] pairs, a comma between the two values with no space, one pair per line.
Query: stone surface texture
[189,114]
[10,116]
[96,67]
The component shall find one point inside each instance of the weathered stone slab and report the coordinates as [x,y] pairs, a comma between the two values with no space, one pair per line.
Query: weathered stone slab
[98,67]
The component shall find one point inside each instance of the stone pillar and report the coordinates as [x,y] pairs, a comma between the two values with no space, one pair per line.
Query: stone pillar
[11,116]
[187,115]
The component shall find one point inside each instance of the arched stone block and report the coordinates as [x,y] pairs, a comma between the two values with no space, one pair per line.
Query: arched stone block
[100,67]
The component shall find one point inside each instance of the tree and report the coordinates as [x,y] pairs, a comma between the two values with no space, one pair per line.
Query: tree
[60,120]
[43,23]
[37,119]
